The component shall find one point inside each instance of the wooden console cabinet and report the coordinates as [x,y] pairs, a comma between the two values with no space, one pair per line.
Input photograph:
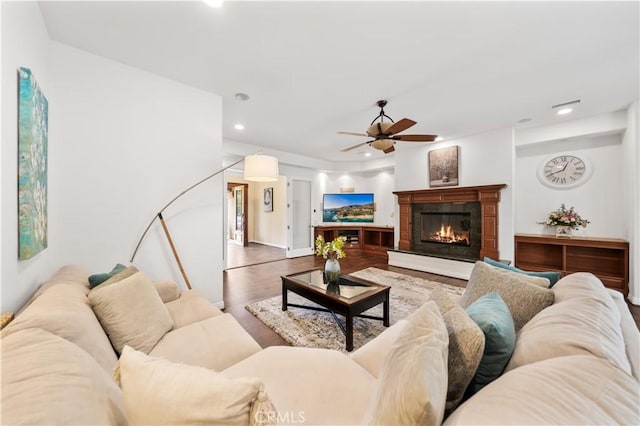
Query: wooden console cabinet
[607,258]
[367,239]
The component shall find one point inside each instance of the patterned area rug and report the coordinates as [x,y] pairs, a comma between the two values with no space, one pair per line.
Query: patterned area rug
[314,329]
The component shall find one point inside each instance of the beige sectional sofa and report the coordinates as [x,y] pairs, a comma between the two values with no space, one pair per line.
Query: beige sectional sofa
[575,362]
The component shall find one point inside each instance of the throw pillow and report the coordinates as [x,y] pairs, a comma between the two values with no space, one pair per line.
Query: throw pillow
[523,299]
[157,391]
[494,319]
[125,273]
[131,312]
[552,276]
[412,387]
[466,344]
[97,279]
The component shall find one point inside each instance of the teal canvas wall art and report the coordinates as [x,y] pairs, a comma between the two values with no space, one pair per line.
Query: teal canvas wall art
[33,123]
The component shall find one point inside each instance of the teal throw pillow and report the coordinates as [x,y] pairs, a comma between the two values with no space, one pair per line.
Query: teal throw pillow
[553,277]
[492,315]
[97,279]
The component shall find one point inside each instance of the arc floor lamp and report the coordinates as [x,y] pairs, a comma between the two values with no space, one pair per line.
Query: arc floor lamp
[257,168]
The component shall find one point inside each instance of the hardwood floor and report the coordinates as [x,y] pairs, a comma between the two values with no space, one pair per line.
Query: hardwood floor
[253,254]
[245,285]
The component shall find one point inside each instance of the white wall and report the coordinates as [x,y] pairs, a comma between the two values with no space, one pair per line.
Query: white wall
[596,200]
[485,159]
[631,179]
[25,43]
[379,183]
[269,228]
[124,143]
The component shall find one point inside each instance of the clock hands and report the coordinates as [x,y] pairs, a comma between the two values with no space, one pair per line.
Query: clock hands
[561,170]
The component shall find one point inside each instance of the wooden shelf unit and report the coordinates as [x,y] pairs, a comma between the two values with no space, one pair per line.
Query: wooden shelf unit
[607,258]
[367,239]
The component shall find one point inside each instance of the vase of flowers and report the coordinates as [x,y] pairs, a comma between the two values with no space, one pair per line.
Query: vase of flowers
[332,251]
[565,220]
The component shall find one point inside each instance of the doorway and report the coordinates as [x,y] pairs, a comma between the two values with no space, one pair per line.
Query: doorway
[299,228]
[238,213]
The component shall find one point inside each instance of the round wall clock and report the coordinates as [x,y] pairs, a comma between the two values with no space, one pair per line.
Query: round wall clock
[564,171]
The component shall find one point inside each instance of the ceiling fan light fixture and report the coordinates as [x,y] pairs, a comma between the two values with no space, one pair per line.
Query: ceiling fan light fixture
[382,144]
[379,128]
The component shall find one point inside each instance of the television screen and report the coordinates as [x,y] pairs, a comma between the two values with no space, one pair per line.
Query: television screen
[347,207]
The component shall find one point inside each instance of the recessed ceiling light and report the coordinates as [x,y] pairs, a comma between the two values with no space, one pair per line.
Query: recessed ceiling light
[367,154]
[565,107]
[238,126]
[438,139]
[242,96]
[525,120]
[214,3]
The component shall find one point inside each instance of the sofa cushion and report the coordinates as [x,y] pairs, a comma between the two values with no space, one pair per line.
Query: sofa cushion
[494,319]
[372,354]
[68,274]
[310,386]
[168,290]
[191,307]
[48,380]
[570,390]
[630,332]
[523,298]
[157,391]
[131,312]
[466,345]
[584,320]
[552,276]
[215,343]
[64,310]
[412,388]
[97,279]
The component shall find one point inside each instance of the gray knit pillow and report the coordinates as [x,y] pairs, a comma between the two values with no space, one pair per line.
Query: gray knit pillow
[524,299]
[466,346]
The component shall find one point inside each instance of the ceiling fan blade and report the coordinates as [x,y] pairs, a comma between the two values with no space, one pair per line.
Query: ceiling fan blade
[354,146]
[388,150]
[415,138]
[399,126]
[353,133]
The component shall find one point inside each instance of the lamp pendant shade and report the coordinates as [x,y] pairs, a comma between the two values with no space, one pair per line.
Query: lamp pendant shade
[261,168]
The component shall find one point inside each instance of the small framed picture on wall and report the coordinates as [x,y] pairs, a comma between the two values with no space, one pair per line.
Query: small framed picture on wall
[268,199]
[443,166]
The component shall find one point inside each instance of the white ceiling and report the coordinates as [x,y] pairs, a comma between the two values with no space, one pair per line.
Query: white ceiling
[315,68]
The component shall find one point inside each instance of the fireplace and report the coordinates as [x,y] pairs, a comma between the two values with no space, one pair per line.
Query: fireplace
[450,230]
[446,228]
[457,223]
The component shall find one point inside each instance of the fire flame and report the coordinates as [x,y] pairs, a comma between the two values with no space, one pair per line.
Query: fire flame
[447,235]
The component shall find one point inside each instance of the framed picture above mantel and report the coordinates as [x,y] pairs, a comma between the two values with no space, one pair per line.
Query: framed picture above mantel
[444,167]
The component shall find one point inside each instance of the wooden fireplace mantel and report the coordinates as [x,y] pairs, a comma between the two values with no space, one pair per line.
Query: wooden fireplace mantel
[487,195]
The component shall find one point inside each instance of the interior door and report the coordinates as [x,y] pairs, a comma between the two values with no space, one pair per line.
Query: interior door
[299,228]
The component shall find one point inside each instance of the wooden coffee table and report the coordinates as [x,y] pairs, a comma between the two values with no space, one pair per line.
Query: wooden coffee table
[349,298]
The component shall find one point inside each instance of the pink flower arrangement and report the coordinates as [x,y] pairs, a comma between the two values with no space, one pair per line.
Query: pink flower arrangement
[564,217]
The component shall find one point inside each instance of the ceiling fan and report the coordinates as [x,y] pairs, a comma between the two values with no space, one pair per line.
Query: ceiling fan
[385,134]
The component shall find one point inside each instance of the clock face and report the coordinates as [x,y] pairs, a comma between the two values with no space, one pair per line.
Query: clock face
[564,171]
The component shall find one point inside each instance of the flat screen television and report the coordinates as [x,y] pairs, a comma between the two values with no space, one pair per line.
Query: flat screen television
[347,207]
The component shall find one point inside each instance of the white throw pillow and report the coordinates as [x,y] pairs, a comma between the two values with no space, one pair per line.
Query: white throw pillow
[161,392]
[412,388]
[131,312]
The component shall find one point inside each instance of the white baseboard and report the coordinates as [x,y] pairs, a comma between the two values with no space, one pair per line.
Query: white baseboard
[434,265]
[269,244]
[633,299]
[219,305]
